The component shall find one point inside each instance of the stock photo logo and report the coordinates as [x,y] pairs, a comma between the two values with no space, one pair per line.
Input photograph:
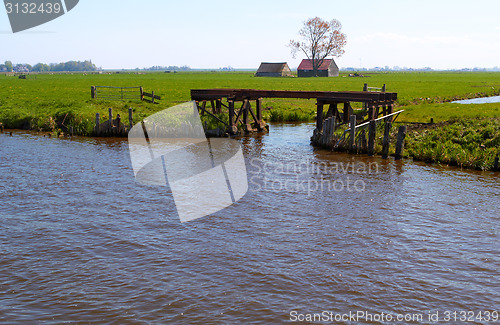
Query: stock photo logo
[169,148]
[26,14]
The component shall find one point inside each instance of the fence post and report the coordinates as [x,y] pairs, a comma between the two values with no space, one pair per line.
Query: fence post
[384,88]
[372,129]
[153,96]
[387,139]
[142,93]
[400,142]
[92,92]
[352,133]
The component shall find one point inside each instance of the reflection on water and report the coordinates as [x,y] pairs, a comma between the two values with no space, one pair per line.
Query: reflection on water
[81,241]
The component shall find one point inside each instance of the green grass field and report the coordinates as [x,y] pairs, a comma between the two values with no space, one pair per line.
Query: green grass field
[48,102]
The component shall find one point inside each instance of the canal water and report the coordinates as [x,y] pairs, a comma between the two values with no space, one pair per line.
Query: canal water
[317,233]
[483,100]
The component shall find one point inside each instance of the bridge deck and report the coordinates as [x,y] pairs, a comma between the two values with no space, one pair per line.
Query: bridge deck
[330,96]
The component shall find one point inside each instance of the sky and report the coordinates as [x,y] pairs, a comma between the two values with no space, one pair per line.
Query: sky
[117,34]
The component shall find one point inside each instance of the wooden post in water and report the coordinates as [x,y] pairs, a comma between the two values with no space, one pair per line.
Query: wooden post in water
[110,125]
[118,121]
[363,147]
[97,124]
[495,166]
[372,129]
[387,139]
[246,121]
[400,142]
[352,133]
[130,118]
[1,127]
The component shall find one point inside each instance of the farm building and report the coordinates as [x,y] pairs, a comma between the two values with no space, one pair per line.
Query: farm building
[327,69]
[267,69]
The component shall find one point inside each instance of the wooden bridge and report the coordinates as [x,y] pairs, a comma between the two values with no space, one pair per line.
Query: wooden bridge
[377,104]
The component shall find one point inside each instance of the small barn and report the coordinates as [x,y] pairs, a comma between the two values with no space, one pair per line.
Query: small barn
[268,69]
[327,69]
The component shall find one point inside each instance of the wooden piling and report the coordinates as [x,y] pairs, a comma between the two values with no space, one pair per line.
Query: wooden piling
[1,127]
[387,140]
[495,165]
[233,127]
[130,118]
[352,133]
[246,121]
[372,129]
[218,106]
[319,116]
[258,111]
[363,147]
[97,124]
[347,112]
[400,142]
[110,125]
[118,121]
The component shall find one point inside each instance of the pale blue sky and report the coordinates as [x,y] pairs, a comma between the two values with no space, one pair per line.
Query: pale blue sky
[440,34]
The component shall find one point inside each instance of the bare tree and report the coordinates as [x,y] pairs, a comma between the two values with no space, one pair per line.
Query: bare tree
[319,39]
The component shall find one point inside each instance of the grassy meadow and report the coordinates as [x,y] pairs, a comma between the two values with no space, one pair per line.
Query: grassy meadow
[51,102]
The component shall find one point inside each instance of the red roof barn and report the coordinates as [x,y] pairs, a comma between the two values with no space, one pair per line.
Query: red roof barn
[327,69]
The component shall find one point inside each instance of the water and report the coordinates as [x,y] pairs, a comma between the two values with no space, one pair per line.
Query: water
[81,242]
[484,100]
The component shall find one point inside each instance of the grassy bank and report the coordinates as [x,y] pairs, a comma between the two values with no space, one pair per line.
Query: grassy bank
[468,143]
[52,103]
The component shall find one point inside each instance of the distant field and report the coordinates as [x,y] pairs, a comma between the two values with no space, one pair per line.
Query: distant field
[42,101]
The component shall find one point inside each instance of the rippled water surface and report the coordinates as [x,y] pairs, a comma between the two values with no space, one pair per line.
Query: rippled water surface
[81,242]
[483,100]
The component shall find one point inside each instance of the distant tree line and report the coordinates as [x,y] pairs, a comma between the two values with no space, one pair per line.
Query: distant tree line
[69,66]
